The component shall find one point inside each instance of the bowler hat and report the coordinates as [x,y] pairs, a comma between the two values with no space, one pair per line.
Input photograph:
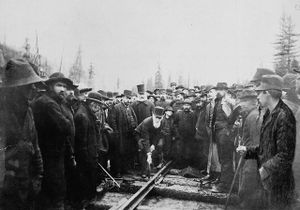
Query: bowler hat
[19,72]
[221,86]
[115,94]
[270,82]
[158,111]
[85,90]
[109,94]
[152,96]
[247,93]
[173,84]
[260,72]
[95,97]
[127,93]
[59,77]
[179,87]
[169,108]
[103,94]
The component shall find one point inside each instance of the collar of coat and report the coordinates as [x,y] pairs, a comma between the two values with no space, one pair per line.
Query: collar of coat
[266,118]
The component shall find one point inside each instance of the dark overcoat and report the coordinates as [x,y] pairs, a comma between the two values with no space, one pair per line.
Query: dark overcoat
[275,154]
[124,126]
[54,131]
[142,109]
[23,160]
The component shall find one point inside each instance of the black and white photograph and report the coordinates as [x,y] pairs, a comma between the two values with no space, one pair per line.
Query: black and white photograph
[150,104]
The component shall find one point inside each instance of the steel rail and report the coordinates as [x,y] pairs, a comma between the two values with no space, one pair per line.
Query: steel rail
[137,198]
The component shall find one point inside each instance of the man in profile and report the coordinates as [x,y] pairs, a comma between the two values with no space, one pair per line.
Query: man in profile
[275,153]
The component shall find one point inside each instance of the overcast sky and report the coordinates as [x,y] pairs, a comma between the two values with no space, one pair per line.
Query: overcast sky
[210,41]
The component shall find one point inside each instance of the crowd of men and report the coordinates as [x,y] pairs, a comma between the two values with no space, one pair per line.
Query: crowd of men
[56,138]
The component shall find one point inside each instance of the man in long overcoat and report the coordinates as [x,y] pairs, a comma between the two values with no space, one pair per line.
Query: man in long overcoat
[86,137]
[23,161]
[123,122]
[275,153]
[54,130]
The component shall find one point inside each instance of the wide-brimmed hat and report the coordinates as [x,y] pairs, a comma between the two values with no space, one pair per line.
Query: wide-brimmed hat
[246,94]
[260,72]
[221,86]
[270,82]
[179,87]
[19,72]
[59,77]
[169,108]
[158,111]
[85,90]
[95,97]
[103,94]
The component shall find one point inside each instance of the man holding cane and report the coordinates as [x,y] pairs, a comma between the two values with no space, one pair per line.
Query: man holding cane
[275,153]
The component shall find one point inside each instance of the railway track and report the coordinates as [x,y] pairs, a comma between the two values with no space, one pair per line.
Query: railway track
[136,199]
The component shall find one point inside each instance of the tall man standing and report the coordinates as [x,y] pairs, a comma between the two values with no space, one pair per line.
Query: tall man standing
[87,134]
[23,161]
[54,130]
[123,122]
[142,107]
[275,153]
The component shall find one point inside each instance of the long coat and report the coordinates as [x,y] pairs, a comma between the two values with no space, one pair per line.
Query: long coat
[249,180]
[142,109]
[86,137]
[124,127]
[23,160]
[275,154]
[54,131]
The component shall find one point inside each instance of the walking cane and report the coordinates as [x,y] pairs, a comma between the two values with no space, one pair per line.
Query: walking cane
[233,181]
[109,175]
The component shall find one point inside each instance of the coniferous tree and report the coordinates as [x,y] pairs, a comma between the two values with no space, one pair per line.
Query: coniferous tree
[76,72]
[158,81]
[285,47]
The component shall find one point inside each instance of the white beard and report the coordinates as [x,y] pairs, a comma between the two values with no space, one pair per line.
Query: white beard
[156,124]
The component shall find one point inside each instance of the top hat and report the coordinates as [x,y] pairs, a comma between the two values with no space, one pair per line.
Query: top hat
[141,88]
[270,82]
[19,72]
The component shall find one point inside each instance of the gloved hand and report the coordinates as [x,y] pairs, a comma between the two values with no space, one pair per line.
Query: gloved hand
[149,157]
[152,148]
